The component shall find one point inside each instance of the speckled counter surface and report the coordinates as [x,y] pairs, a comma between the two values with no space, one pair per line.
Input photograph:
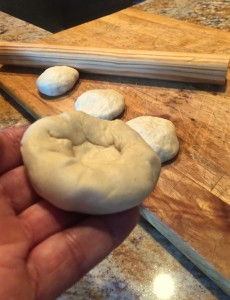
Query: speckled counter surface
[212,13]
[146,266]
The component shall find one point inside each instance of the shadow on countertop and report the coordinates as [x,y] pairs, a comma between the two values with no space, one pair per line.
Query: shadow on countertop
[56,15]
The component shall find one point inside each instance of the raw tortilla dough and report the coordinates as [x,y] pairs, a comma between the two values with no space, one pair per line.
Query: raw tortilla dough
[105,104]
[159,133]
[58,80]
[85,164]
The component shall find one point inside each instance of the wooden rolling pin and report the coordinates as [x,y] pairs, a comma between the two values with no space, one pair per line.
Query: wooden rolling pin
[176,66]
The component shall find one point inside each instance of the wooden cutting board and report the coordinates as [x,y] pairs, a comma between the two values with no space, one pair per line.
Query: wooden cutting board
[191,202]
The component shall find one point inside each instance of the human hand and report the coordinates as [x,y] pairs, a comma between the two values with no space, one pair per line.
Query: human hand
[44,250]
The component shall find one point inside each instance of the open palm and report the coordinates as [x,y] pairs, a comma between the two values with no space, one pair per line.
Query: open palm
[44,250]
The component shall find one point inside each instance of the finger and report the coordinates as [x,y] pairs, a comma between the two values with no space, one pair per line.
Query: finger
[64,258]
[10,148]
[42,220]
[16,189]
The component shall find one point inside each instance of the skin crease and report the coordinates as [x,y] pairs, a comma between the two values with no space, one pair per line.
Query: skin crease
[44,250]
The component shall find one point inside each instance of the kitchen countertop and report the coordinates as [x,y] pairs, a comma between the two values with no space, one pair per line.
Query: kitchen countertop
[146,266]
[215,14]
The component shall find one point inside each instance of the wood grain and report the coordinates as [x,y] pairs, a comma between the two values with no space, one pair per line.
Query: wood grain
[190,204]
[176,66]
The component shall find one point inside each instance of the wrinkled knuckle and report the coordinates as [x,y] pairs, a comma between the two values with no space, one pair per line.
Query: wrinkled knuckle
[28,231]
[13,137]
[77,251]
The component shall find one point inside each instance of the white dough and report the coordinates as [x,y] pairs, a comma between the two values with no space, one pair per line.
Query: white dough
[58,80]
[85,164]
[105,104]
[159,133]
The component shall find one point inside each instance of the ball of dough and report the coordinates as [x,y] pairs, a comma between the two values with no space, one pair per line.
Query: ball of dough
[58,80]
[85,164]
[159,133]
[105,104]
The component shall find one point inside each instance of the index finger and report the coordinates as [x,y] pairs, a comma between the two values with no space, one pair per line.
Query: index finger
[10,155]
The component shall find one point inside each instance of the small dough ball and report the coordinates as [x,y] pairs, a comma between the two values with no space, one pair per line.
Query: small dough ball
[85,164]
[58,80]
[105,104]
[159,133]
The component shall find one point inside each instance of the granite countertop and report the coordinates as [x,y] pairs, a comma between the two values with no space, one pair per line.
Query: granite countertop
[146,266]
[215,14]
